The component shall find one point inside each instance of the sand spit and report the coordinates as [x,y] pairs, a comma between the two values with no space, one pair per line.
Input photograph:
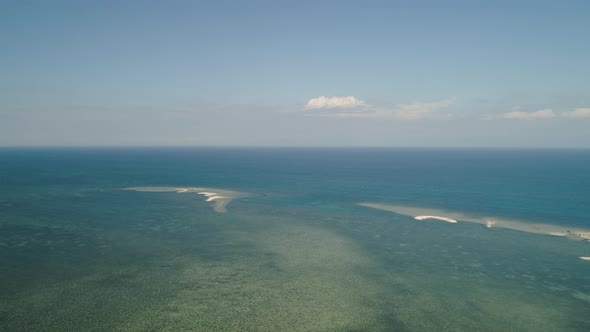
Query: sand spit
[517,225]
[220,197]
[585,258]
[452,221]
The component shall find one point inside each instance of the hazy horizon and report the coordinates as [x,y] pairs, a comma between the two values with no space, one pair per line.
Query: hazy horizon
[294,147]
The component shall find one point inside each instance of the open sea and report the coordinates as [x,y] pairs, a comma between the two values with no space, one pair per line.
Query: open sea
[295,251]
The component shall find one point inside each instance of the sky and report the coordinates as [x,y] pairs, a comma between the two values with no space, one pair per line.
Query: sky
[295,73]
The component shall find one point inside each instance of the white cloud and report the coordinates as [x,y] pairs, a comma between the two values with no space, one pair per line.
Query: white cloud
[578,113]
[517,114]
[546,113]
[352,107]
[416,111]
[333,102]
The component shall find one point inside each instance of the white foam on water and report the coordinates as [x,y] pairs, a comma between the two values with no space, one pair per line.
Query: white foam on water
[449,220]
[219,197]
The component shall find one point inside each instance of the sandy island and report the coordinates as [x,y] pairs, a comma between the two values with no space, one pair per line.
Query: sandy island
[517,225]
[219,197]
[585,258]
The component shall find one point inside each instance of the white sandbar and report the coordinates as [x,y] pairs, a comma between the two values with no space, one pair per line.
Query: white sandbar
[489,222]
[452,221]
[220,197]
[585,258]
[214,197]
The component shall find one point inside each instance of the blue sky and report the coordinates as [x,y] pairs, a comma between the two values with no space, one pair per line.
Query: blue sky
[295,73]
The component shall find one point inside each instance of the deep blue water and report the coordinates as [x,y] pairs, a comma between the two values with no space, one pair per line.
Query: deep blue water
[540,185]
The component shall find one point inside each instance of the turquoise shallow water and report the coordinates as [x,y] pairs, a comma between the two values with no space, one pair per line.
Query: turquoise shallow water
[79,253]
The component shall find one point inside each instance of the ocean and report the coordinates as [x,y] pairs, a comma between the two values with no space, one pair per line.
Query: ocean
[269,239]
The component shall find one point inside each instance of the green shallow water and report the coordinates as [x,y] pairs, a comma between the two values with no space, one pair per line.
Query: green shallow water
[167,261]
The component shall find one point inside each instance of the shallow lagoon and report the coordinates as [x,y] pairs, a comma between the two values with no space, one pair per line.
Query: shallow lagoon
[81,254]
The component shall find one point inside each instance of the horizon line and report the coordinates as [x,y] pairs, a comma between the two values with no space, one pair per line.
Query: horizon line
[288,147]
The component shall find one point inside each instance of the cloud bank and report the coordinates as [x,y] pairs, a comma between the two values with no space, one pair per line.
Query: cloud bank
[547,113]
[419,110]
[517,114]
[333,102]
[578,113]
[352,107]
